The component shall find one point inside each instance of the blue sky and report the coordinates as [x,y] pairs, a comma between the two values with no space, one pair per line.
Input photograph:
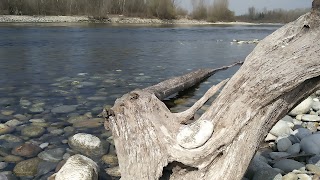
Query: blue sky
[241,6]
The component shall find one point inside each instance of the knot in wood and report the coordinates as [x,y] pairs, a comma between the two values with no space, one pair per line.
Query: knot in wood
[195,135]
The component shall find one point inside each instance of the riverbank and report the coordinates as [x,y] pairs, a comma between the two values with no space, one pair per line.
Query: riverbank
[114,19]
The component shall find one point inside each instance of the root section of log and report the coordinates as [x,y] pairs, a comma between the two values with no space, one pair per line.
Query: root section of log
[282,70]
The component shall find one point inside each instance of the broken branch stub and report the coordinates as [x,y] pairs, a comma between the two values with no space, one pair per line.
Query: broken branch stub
[281,70]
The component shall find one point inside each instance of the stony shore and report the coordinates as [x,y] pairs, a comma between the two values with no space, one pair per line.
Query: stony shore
[111,19]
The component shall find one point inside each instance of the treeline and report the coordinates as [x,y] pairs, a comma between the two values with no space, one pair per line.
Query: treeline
[271,16]
[164,9]
[217,11]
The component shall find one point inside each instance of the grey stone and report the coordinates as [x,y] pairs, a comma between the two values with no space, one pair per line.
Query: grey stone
[78,167]
[32,131]
[311,144]
[45,167]
[302,133]
[258,162]
[52,155]
[314,160]
[302,108]
[87,144]
[294,149]
[267,174]
[64,109]
[281,128]
[316,105]
[288,165]
[283,144]
[3,165]
[310,118]
[294,139]
[278,155]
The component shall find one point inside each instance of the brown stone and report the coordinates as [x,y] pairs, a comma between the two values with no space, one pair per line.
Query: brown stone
[26,150]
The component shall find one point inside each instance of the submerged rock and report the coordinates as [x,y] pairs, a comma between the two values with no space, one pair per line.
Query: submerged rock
[64,109]
[78,167]
[87,144]
[32,131]
[26,150]
[27,168]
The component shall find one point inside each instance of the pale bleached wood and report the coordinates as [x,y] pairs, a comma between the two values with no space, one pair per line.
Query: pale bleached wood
[282,70]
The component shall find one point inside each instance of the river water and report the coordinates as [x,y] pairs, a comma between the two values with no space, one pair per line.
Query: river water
[88,66]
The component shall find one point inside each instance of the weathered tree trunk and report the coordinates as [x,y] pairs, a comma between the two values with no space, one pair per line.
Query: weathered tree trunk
[281,70]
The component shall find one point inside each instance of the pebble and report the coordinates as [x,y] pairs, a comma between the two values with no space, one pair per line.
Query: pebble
[12,159]
[32,131]
[5,129]
[290,176]
[281,128]
[316,105]
[45,167]
[267,174]
[314,160]
[64,109]
[27,168]
[52,155]
[301,133]
[270,137]
[311,144]
[36,110]
[114,171]
[3,165]
[110,159]
[87,144]
[26,150]
[294,149]
[304,177]
[288,165]
[44,145]
[37,120]
[90,123]
[302,108]
[13,123]
[309,117]
[10,138]
[278,155]
[283,144]
[313,168]
[78,167]
[7,112]
[57,132]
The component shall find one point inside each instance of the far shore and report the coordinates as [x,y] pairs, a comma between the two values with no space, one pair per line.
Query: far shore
[114,19]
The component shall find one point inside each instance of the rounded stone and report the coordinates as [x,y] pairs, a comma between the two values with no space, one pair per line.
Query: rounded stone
[311,144]
[314,160]
[310,118]
[26,150]
[195,135]
[78,167]
[5,129]
[313,168]
[294,149]
[278,155]
[304,177]
[52,155]
[10,138]
[64,109]
[288,165]
[302,108]
[32,131]
[87,144]
[45,167]
[27,168]
[283,144]
[114,171]
[316,105]
[267,174]
[13,123]
[110,159]
[7,112]
[12,159]
[281,128]
[36,110]
[290,176]
[3,165]
[301,133]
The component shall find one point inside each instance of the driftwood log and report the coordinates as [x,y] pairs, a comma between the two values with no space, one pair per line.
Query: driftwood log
[282,70]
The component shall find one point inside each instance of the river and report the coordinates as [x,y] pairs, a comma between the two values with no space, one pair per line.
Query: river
[88,66]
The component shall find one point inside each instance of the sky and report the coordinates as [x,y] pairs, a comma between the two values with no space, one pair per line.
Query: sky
[241,6]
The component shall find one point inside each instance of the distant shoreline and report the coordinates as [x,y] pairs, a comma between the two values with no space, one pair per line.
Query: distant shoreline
[115,19]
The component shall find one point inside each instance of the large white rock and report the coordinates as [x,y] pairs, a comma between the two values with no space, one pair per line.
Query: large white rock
[302,108]
[77,167]
[195,135]
[281,128]
[87,144]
